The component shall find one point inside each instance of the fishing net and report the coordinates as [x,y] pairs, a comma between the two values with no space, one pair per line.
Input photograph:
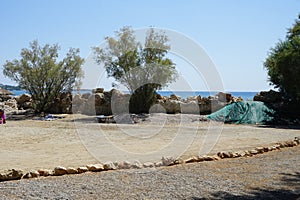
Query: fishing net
[243,112]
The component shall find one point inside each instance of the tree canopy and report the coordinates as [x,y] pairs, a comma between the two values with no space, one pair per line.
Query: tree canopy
[141,68]
[45,78]
[283,64]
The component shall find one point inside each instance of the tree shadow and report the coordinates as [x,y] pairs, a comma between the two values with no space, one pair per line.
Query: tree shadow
[292,180]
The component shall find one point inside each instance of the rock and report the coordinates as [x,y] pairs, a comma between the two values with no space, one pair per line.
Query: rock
[71,170]
[297,140]
[3,177]
[174,97]
[45,172]
[11,103]
[210,158]
[109,166]
[148,165]
[14,174]
[82,169]
[253,151]
[179,161]
[260,149]
[95,167]
[268,96]
[224,97]
[158,164]
[191,107]
[27,175]
[168,161]
[224,154]
[124,165]
[59,171]
[98,90]
[171,106]
[191,160]
[86,95]
[236,155]
[200,159]
[137,165]
[32,174]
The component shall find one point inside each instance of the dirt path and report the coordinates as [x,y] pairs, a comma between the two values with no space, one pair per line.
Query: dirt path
[77,140]
[273,175]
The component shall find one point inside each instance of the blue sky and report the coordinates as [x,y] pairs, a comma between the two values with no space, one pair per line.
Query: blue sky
[237,35]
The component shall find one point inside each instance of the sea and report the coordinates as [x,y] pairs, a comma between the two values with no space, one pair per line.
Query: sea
[182,94]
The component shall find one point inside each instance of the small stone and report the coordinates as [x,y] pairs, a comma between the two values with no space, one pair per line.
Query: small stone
[159,164]
[109,166]
[247,153]
[179,161]
[259,149]
[295,143]
[71,170]
[224,154]
[27,175]
[266,149]
[3,177]
[45,172]
[236,155]
[168,161]
[59,171]
[200,159]
[14,174]
[82,169]
[124,165]
[253,151]
[209,158]
[95,167]
[148,164]
[191,160]
[137,165]
[34,174]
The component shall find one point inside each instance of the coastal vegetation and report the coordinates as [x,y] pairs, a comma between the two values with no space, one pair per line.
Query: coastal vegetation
[141,68]
[39,73]
[283,65]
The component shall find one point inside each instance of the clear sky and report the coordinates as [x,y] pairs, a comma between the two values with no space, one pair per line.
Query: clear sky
[237,35]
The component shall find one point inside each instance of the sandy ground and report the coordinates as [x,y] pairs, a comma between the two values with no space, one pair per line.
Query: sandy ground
[78,140]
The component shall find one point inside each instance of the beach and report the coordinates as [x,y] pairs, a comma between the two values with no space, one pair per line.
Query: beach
[78,140]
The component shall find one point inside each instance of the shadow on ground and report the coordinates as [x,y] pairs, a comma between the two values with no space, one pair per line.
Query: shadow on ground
[290,180]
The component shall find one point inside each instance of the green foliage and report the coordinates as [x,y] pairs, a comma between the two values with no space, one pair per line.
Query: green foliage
[141,68]
[283,64]
[39,73]
[143,98]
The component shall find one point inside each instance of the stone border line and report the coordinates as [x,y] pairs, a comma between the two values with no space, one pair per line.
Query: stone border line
[14,174]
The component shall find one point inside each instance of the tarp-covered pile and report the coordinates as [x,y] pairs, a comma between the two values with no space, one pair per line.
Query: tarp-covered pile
[243,112]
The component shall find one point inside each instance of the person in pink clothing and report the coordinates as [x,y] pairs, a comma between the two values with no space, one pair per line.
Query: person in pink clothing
[2,117]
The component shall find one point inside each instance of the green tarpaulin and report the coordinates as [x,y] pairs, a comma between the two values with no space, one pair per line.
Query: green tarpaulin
[244,112]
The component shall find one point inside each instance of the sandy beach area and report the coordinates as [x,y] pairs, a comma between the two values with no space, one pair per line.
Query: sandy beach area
[78,140]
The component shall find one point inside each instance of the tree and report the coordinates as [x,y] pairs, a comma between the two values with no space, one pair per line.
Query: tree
[39,73]
[142,69]
[283,64]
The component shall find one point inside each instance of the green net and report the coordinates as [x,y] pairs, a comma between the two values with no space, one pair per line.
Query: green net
[244,112]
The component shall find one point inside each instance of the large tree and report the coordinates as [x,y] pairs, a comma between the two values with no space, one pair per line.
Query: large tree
[141,68]
[45,78]
[283,64]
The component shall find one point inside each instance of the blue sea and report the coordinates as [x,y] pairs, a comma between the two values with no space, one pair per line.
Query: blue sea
[182,94]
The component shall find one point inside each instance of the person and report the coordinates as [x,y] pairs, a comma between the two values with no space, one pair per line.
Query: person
[2,117]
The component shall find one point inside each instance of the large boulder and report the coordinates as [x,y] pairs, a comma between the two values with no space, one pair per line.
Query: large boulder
[24,101]
[268,96]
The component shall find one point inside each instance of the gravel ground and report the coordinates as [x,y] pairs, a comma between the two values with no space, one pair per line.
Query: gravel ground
[273,175]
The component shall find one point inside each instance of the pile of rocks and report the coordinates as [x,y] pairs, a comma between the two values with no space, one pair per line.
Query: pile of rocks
[115,102]
[165,161]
